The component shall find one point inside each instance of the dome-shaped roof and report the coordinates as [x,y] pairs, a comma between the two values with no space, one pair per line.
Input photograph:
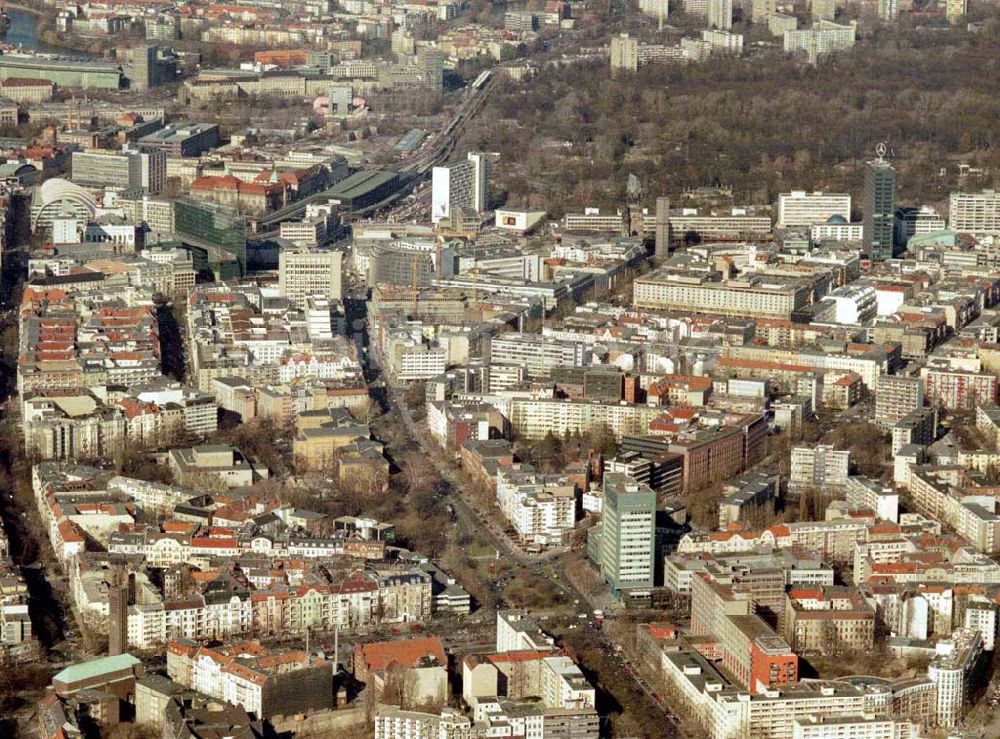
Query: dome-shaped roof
[57,197]
[836,220]
[58,189]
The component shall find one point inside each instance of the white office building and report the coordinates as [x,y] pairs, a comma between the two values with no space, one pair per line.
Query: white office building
[120,169]
[801,208]
[309,233]
[459,184]
[304,273]
[854,305]
[837,229]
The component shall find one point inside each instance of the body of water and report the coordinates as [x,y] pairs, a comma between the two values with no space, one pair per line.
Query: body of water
[23,29]
[23,32]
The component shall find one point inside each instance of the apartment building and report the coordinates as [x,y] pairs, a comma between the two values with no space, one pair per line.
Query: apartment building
[64,347]
[895,397]
[233,337]
[517,631]
[305,273]
[391,597]
[953,496]
[71,427]
[727,711]
[823,468]
[954,670]
[957,389]
[408,359]
[866,494]
[833,539]
[823,38]
[534,418]
[720,40]
[539,354]
[422,661]
[392,722]
[988,421]
[657,8]
[917,427]
[679,389]
[453,424]
[761,10]
[750,649]
[155,499]
[982,616]
[720,14]
[828,621]
[496,717]
[624,52]
[852,305]
[18,643]
[974,212]
[541,508]
[800,208]
[955,10]
[520,675]
[862,726]
[264,682]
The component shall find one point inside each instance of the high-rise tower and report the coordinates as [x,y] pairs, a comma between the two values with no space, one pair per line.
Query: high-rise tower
[879,207]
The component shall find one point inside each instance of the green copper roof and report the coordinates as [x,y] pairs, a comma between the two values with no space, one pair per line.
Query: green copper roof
[96,668]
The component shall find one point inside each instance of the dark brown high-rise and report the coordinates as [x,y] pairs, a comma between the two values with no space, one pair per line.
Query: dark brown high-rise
[118,598]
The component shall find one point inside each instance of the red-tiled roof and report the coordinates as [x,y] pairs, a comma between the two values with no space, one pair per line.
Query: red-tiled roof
[407,653]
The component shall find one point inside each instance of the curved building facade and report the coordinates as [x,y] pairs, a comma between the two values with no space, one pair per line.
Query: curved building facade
[58,197]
